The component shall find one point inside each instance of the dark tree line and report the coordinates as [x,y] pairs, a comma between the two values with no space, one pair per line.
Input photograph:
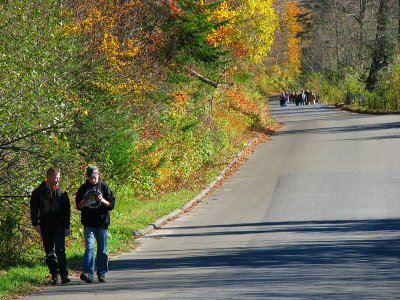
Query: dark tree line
[361,35]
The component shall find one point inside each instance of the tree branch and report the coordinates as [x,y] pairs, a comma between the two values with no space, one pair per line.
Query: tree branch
[4,145]
[202,78]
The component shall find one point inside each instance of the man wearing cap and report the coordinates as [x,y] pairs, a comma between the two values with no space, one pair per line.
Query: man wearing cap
[95,200]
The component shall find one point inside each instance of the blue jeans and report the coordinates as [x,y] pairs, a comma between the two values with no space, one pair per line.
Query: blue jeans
[101,236]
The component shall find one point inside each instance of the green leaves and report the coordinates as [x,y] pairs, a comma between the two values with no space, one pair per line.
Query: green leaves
[189,34]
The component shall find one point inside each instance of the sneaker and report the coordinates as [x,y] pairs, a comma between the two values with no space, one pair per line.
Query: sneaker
[86,277]
[54,279]
[65,279]
[102,278]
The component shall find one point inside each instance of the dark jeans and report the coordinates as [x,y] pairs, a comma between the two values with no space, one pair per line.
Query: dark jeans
[54,247]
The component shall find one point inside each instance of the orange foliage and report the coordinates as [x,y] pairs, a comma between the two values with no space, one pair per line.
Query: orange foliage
[180,97]
[175,9]
[180,101]
[239,49]
[219,35]
[236,100]
[293,27]
[222,34]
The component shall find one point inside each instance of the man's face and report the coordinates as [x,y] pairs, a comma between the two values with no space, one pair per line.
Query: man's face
[53,179]
[94,179]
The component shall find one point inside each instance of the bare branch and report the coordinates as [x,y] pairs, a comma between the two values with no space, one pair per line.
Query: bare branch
[5,144]
[202,77]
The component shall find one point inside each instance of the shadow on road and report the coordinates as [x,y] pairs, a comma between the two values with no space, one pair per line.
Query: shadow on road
[338,129]
[346,259]
[361,241]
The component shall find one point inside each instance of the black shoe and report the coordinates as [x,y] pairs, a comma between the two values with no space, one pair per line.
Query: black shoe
[102,278]
[54,279]
[65,279]
[86,277]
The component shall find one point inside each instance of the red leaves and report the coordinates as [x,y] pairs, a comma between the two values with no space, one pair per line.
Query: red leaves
[152,132]
[174,8]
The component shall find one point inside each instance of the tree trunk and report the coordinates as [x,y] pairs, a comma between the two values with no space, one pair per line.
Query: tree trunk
[398,29]
[380,52]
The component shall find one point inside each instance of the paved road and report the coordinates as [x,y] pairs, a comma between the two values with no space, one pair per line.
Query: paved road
[313,214]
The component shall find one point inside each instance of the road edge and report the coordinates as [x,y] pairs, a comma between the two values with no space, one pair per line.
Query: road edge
[232,167]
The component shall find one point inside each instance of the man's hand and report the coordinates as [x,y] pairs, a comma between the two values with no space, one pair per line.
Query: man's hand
[104,201]
[38,229]
[99,198]
[82,203]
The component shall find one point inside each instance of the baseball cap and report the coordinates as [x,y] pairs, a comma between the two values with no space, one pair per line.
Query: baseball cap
[92,171]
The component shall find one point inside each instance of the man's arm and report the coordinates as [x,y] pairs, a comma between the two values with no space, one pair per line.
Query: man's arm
[109,197]
[34,210]
[66,209]
[79,202]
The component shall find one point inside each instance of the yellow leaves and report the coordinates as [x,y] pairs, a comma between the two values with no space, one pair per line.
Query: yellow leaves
[223,12]
[109,44]
[134,88]
[255,26]
[99,21]
[94,18]
[119,56]
[250,28]
[222,35]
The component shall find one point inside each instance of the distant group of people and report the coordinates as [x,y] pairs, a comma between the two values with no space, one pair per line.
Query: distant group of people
[50,216]
[305,97]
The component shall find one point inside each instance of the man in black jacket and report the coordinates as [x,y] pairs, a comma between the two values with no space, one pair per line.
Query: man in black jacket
[95,200]
[50,215]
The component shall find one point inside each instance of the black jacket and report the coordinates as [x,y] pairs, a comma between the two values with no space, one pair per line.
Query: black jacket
[95,214]
[50,208]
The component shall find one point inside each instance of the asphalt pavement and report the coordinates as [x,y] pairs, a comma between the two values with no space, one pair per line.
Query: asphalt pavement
[313,214]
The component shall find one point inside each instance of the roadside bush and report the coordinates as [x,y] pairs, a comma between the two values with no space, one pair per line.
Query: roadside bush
[326,91]
[11,247]
[389,82]
[352,82]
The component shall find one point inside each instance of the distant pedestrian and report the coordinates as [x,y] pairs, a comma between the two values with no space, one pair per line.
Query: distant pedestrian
[292,97]
[311,98]
[95,200]
[303,98]
[50,212]
[286,98]
[298,99]
[307,94]
[283,99]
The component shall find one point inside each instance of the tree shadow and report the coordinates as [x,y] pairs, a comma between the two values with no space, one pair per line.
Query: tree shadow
[342,129]
[337,259]
[381,242]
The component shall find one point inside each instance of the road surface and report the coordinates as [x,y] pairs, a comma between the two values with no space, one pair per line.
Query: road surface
[313,214]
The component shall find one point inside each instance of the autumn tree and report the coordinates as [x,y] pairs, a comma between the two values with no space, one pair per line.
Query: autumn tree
[284,58]
[253,27]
